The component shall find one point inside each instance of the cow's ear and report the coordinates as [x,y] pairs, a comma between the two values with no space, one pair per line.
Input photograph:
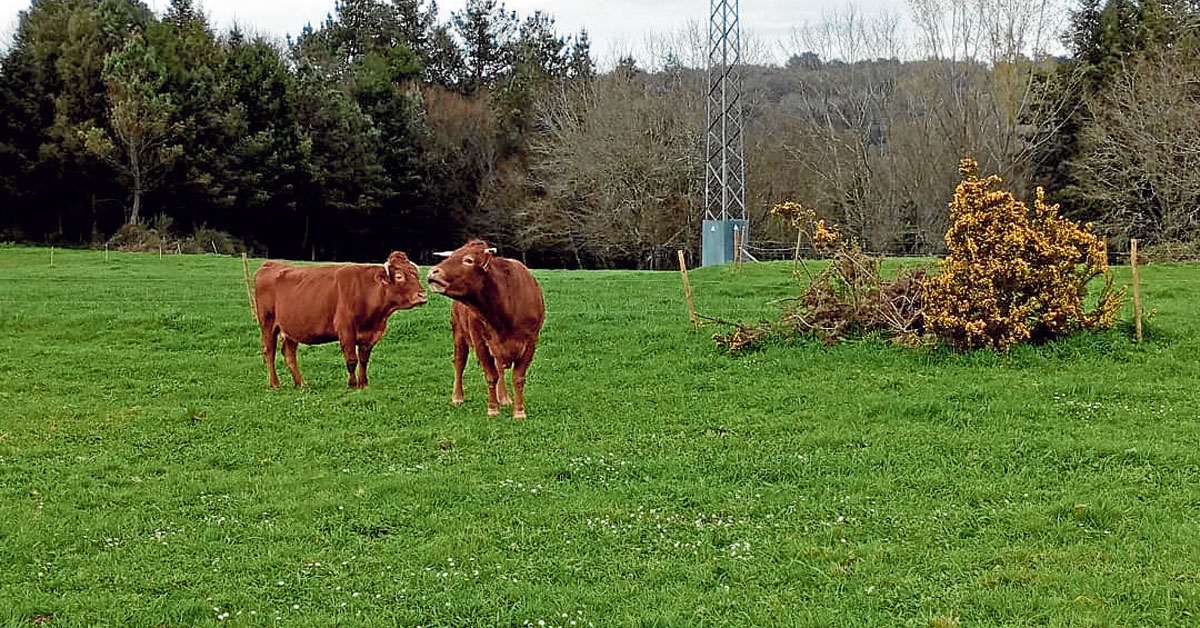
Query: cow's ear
[384,275]
[486,259]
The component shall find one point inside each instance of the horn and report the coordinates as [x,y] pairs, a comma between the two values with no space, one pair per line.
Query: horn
[490,250]
[444,253]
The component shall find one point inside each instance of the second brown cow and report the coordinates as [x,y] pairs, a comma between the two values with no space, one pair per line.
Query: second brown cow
[349,303]
[497,312]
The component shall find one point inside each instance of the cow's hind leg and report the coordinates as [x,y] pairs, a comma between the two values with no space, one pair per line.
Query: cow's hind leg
[518,377]
[290,345]
[488,364]
[270,335]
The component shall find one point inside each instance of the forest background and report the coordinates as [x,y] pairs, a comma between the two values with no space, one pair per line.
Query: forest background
[386,128]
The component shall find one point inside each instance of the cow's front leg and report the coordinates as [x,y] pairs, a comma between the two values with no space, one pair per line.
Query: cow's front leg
[364,356]
[501,386]
[347,341]
[488,364]
[366,342]
[460,362]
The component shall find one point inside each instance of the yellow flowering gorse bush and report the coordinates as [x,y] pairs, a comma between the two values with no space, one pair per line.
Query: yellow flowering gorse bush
[804,220]
[793,213]
[1014,274]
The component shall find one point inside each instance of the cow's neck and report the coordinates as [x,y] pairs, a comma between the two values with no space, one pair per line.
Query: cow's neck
[387,308]
[494,303]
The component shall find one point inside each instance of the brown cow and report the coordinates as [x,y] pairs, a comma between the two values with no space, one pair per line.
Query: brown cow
[497,311]
[349,303]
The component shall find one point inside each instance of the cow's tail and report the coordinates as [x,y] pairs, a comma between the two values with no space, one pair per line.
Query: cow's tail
[250,289]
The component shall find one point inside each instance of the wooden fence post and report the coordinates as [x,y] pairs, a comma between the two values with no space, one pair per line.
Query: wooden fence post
[1137,288]
[687,289]
[796,257]
[737,248]
[249,290]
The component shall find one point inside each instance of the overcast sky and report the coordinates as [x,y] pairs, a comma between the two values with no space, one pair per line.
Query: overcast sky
[614,26]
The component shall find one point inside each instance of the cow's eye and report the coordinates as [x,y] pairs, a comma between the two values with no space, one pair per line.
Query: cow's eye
[469,261]
[399,278]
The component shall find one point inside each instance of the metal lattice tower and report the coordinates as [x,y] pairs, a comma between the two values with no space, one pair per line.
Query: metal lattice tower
[725,149]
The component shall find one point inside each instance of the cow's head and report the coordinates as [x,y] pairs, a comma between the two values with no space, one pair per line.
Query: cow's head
[401,280]
[462,272]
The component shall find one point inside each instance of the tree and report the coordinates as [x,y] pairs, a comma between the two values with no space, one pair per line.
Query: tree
[539,60]
[198,187]
[391,104]
[444,62]
[269,166]
[141,118]
[580,66]
[488,33]
[53,88]
[1139,159]
[617,162]
[416,25]
[540,48]
[1130,158]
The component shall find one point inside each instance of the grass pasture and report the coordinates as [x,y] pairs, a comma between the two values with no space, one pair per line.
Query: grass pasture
[148,476]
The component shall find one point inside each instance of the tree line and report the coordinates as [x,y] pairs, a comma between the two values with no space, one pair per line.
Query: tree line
[385,128]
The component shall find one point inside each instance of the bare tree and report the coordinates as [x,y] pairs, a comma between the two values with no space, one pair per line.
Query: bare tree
[1142,153]
[618,171]
[849,35]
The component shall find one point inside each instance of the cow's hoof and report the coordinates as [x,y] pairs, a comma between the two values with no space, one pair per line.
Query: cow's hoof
[518,415]
[493,411]
[457,401]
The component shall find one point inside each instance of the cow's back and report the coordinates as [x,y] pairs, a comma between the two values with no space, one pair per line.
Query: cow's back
[300,300]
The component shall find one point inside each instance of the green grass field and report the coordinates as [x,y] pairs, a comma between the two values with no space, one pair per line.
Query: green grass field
[148,476]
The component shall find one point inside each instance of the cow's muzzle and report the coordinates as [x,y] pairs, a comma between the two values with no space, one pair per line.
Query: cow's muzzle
[435,281]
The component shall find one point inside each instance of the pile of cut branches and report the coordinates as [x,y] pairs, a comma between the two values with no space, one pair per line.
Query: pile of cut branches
[849,297]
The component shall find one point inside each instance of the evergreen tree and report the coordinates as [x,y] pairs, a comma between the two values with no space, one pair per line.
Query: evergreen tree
[416,24]
[197,190]
[540,49]
[580,66]
[444,62]
[269,164]
[489,36]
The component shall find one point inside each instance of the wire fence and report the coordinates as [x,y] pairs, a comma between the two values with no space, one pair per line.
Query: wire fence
[759,251]
[774,251]
[130,292]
